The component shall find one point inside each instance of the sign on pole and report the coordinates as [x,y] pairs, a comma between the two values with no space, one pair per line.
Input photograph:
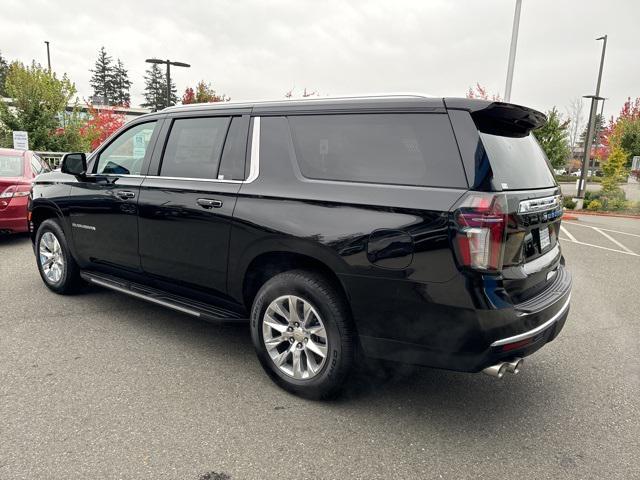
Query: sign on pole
[20,140]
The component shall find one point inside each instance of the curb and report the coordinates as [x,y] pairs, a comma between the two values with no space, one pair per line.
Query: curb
[572,216]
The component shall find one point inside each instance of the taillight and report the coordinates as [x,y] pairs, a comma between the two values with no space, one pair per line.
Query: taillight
[480,221]
[16,191]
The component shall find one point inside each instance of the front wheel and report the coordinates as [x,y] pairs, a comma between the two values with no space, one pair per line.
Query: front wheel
[301,329]
[56,265]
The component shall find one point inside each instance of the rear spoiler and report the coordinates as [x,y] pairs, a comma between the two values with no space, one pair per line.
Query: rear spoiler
[499,118]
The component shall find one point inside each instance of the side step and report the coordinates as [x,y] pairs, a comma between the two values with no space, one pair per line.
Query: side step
[211,313]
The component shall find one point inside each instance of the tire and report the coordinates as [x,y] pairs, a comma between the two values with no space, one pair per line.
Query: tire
[324,307]
[68,280]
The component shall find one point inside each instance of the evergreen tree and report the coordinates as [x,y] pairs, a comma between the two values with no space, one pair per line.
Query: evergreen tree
[553,138]
[122,84]
[597,130]
[4,69]
[154,89]
[103,78]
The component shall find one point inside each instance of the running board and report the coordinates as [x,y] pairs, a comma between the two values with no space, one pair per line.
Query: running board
[205,311]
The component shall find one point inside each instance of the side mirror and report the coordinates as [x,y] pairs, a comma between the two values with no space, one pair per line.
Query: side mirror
[74,164]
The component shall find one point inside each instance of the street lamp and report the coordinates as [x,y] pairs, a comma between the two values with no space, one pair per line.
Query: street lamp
[168,63]
[512,51]
[48,56]
[592,121]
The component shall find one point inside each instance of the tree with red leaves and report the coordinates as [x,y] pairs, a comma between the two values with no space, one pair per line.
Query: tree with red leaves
[101,124]
[203,93]
[481,93]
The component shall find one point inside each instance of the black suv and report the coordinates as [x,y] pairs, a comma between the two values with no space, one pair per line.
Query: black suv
[405,228]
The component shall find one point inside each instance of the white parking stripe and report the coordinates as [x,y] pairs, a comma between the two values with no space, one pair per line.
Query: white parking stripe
[605,229]
[568,234]
[606,235]
[598,246]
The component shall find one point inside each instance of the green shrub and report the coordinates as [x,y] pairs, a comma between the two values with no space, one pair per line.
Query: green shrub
[567,202]
[617,204]
[594,205]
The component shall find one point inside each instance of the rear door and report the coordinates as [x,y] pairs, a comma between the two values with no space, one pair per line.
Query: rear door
[186,206]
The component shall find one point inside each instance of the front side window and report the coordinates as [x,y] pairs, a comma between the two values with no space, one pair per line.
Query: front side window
[398,149]
[193,148]
[125,155]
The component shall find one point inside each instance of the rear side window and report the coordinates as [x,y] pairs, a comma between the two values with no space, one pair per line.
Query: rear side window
[194,147]
[518,163]
[11,166]
[399,149]
[233,156]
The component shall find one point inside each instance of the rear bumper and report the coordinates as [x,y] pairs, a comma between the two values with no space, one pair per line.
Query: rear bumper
[471,339]
[13,218]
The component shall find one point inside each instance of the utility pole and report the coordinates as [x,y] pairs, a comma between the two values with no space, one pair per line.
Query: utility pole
[168,63]
[48,56]
[512,51]
[591,125]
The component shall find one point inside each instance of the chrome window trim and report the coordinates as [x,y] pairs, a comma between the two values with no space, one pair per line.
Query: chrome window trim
[535,331]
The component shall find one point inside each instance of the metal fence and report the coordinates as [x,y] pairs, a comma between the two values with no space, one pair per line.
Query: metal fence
[52,158]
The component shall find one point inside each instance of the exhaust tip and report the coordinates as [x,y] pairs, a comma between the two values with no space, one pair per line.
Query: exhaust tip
[515,365]
[497,370]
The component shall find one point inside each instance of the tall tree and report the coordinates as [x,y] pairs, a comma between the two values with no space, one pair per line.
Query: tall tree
[597,131]
[155,90]
[121,84]
[552,137]
[102,80]
[574,110]
[480,92]
[39,102]
[203,93]
[4,69]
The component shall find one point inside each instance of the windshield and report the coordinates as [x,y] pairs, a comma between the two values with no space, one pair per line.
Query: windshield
[518,163]
[11,166]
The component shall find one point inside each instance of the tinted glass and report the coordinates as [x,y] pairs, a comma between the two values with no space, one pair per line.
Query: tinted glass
[44,167]
[402,149]
[233,156]
[10,166]
[193,148]
[125,155]
[517,163]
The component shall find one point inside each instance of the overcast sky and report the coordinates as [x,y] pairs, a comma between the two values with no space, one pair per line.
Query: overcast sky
[261,49]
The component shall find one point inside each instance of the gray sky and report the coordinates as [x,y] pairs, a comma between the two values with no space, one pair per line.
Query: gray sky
[261,49]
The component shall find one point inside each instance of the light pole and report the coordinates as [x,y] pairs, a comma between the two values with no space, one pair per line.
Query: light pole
[168,63]
[590,127]
[48,56]
[512,51]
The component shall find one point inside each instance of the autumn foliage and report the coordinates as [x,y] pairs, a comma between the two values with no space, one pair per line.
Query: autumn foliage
[203,93]
[481,93]
[101,124]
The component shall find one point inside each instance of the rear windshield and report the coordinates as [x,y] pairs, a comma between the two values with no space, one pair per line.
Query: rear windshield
[11,166]
[518,163]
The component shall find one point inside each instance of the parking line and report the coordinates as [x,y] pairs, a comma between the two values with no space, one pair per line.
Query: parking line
[606,235]
[605,229]
[599,246]
[568,234]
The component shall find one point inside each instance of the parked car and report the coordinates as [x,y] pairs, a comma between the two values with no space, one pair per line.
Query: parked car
[403,228]
[18,168]
[560,171]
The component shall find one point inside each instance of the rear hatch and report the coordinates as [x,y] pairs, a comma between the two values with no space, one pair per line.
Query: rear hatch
[510,226]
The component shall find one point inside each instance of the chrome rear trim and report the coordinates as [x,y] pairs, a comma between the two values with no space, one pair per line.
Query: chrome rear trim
[536,205]
[535,331]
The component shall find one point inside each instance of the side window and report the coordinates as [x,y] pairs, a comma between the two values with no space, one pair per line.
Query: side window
[399,149]
[194,146]
[233,155]
[36,167]
[43,165]
[125,155]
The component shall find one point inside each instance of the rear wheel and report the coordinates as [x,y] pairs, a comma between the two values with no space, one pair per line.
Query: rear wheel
[56,265]
[302,333]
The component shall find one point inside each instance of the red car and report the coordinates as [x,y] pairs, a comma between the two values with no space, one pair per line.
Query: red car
[18,168]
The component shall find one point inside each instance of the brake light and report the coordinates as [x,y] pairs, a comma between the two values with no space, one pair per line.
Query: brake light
[480,221]
[16,191]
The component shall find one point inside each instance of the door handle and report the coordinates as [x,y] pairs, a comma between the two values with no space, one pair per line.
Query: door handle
[209,203]
[124,194]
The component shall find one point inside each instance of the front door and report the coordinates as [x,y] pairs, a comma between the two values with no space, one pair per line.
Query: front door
[103,210]
[187,208]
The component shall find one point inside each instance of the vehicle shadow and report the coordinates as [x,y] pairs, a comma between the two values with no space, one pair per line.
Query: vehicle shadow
[14,239]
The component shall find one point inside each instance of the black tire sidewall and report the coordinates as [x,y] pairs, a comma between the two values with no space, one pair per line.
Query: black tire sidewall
[328,304]
[68,280]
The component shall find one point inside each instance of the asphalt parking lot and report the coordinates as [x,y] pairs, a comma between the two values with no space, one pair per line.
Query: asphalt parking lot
[100,385]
